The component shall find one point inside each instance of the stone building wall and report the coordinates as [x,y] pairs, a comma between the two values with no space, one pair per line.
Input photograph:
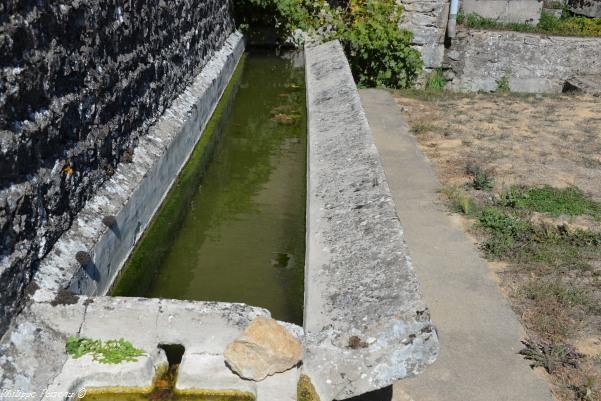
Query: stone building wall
[427,20]
[478,60]
[80,82]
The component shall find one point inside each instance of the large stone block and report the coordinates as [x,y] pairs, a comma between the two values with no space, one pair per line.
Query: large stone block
[589,8]
[521,11]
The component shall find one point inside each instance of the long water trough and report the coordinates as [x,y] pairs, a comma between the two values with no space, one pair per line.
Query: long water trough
[282,210]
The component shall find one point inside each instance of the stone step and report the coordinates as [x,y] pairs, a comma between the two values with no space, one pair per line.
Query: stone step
[590,84]
[206,372]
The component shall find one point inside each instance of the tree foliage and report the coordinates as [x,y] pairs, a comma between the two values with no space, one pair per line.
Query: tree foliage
[379,51]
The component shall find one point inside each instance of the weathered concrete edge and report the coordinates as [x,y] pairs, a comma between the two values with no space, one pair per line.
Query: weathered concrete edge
[42,328]
[137,189]
[359,282]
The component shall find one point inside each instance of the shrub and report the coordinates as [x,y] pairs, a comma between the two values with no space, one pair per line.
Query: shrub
[379,52]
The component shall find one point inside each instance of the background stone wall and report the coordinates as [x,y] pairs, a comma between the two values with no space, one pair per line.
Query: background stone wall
[80,82]
[478,60]
[427,20]
[590,8]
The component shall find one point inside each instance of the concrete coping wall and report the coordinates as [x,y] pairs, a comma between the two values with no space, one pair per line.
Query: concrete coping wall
[366,325]
[136,190]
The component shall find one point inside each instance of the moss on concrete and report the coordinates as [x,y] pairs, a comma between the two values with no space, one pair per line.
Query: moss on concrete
[305,390]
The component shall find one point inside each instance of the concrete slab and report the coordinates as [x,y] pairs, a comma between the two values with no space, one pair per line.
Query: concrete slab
[280,387]
[365,322]
[33,359]
[480,334]
[206,372]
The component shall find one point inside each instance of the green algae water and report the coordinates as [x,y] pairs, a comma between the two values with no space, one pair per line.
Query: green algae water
[233,226]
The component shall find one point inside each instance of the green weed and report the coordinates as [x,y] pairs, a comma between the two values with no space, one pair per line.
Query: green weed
[549,356]
[566,25]
[569,201]
[436,80]
[483,181]
[459,200]
[109,351]
[503,85]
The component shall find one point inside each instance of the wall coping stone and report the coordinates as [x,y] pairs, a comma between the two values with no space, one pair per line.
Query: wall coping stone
[365,321]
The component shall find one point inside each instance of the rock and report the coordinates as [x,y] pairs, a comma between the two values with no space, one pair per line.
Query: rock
[263,349]
[588,8]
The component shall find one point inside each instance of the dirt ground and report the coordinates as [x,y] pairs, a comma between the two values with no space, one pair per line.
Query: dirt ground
[529,140]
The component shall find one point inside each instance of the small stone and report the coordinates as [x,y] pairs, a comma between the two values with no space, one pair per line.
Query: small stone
[263,349]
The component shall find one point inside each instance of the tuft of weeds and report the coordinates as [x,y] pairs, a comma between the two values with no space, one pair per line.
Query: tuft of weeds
[459,200]
[422,128]
[585,391]
[503,85]
[436,81]
[550,356]
[554,201]
[482,180]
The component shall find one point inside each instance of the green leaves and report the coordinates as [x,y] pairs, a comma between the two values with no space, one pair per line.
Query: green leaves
[110,351]
[379,52]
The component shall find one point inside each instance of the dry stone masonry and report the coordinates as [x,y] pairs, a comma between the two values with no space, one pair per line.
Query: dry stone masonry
[427,20]
[478,60]
[80,82]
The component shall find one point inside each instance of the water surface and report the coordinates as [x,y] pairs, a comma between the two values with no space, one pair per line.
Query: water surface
[241,235]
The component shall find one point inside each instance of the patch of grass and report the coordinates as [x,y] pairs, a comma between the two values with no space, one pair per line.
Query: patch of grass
[110,351]
[549,356]
[547,247]
[422,128]
[566,25]
[436,80]
[459,200]
[554,201]
[548,291]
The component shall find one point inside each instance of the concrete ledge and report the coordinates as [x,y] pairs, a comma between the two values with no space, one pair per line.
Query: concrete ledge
[136,189]
[33,358]
[365,322]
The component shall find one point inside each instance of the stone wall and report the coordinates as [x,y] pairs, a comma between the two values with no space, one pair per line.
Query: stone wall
[520,11]
[427,20]
[536,63]
[80,82]
[589,8]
